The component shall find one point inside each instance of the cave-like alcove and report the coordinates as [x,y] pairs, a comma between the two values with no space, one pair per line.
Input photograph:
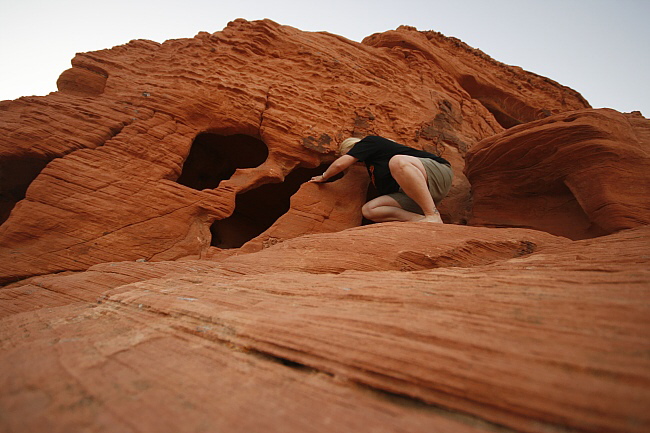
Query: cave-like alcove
[507,110]
[256,210]
[215,157]
[16,174]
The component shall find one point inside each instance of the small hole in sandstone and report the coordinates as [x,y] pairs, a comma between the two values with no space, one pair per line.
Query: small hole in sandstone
[215,157]
[16,174]
[256,210]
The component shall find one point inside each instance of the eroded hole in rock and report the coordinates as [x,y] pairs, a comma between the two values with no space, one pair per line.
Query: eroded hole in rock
[215,157]
[16,174]
[507,110]
[256,210]
[500,116]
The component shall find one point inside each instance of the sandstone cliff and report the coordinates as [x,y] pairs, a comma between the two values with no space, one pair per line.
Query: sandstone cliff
[167,268]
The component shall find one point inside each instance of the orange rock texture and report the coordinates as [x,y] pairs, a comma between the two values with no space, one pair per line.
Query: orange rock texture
[146,145]
[578,174]
[167,268]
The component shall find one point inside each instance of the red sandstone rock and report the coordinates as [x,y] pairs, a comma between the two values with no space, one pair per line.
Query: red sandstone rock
[178,274]
[512,95]
[392,246]
[107,151]
[83,82]
[579,174]
[541,342]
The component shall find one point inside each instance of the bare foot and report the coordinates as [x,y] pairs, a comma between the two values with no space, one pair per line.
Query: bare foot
[431,219]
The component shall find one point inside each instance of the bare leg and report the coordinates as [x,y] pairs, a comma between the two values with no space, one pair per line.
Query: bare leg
[385,208]
[409,173]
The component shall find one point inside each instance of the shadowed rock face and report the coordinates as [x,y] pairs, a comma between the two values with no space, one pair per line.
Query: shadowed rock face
[214,158]
[166,267]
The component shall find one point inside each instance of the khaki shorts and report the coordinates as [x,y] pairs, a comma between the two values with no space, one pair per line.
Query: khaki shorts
[439,177]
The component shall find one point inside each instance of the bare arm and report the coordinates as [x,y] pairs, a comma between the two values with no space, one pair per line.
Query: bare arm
[335,168]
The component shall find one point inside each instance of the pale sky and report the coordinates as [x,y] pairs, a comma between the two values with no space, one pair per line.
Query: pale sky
[601,48]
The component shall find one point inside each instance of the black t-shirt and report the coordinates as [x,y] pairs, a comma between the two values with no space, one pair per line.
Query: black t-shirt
[376,151]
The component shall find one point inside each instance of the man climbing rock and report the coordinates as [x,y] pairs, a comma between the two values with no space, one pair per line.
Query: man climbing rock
[410,181]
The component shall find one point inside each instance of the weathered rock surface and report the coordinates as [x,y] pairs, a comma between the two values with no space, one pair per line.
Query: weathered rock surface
[579,174]
[166,268]
[110,153]
[552,339]
[512,95]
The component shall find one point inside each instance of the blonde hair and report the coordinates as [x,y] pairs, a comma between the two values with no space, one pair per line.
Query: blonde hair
[348,144]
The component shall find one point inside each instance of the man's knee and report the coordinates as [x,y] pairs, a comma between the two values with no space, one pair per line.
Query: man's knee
[405,164]
[367,211]
[398,162]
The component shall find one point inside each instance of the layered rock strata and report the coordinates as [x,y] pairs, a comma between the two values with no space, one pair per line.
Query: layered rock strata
[539,334]
[166,267]
[579,174]
[94,172]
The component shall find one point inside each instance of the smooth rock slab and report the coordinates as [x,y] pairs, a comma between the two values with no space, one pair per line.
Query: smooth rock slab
[551,341]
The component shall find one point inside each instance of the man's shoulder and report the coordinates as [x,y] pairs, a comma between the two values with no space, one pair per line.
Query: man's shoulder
[376,139]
